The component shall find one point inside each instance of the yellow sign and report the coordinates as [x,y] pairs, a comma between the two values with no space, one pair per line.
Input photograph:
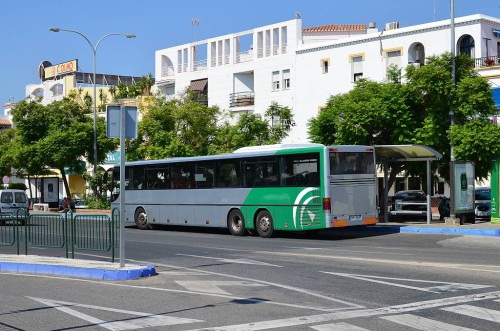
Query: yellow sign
[61,68]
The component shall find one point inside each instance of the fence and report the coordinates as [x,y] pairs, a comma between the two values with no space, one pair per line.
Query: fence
[71,232]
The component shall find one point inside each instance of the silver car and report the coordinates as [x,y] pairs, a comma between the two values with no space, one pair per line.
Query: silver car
[482,202]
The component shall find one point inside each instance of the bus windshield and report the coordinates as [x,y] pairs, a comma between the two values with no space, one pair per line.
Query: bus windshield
[343,163]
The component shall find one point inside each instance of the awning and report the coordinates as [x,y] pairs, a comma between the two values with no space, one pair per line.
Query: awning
[401,153]
[496,96]
[198,85]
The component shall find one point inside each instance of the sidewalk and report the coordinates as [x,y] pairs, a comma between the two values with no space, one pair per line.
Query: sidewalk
[72,267]
[479,228]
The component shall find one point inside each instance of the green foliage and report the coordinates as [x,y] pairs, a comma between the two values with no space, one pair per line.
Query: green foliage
[416,111]
[99,183]
[56,136]
[18,186]
[97,202]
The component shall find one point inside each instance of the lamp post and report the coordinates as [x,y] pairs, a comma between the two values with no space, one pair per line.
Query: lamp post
[94,52]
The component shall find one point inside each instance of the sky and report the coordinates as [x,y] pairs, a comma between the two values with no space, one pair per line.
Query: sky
[26,41]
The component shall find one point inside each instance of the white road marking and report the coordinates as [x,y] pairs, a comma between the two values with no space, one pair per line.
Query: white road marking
[477,312]
[420,264]
[338,327]
[325,318]
[424,324]
[144,320]
[236,261]
[333,250]
[447,287]
[159,289]
[213,286]
[182,273]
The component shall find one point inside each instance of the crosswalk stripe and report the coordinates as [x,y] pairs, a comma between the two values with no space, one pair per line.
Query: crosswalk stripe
[477,312]
[338,327]
[424,324]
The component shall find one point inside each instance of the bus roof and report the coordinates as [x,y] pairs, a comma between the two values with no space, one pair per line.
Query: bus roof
[275,147]
[263,150]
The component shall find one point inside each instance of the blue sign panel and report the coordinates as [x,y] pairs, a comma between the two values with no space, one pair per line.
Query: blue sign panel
[496,96]
[113,122]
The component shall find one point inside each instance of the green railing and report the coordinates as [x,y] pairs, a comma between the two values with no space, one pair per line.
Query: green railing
[8,230]
[71,232]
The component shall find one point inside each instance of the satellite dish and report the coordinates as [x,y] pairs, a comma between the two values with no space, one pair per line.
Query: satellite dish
[41,69]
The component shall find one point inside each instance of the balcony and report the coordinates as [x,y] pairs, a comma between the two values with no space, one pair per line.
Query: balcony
[487,61]
[241,99]
[167,71]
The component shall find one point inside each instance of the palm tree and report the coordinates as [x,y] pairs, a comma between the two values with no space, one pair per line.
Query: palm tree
[103,98]
[148,82]
[112,91]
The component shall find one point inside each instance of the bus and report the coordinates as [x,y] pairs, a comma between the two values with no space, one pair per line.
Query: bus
[262,189]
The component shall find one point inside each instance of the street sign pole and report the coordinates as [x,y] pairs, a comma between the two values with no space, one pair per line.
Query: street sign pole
[122,185]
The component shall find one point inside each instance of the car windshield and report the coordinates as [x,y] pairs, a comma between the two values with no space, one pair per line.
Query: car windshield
[483,195]
[411,196]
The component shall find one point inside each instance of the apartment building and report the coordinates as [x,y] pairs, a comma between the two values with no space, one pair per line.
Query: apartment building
[302,67]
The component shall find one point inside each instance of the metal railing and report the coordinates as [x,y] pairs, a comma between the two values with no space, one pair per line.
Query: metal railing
[487,61]
[71,232]
[240,99]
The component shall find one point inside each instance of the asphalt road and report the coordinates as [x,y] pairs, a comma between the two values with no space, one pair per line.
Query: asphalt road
[210,280]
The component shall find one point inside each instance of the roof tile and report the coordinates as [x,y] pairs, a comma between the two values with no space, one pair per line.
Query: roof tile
[336,28]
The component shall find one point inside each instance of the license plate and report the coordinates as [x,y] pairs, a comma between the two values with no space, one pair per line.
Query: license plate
[355,218]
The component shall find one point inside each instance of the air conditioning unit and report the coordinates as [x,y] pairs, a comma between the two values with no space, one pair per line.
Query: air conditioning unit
[392,26]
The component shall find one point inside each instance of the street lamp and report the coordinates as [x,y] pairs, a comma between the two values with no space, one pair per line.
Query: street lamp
[94,51]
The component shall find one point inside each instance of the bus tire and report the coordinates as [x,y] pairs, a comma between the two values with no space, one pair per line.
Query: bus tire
[236,222]
[141,219]
[264,224]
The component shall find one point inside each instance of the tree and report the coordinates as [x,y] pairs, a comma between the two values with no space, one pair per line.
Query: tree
[184,127]
[252,129]
[56,136]
[416,111]
[177,127]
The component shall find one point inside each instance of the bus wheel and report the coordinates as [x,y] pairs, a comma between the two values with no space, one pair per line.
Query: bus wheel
[141,219]
[236,223]
[264,224]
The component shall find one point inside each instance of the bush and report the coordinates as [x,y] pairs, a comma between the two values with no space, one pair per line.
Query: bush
[97,203]
[18,186]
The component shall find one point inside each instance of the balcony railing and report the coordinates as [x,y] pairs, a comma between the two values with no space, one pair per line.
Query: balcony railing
[244,56]
[241,99]
[200,65]
[487,61]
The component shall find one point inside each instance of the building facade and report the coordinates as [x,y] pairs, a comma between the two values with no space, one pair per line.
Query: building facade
[301,68]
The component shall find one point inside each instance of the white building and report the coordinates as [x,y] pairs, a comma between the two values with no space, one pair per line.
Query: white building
[300,68]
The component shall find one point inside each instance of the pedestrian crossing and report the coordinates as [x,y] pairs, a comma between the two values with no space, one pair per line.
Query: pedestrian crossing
[414,322]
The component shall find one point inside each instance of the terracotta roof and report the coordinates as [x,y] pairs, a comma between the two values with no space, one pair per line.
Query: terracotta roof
[336,28]
[5,122]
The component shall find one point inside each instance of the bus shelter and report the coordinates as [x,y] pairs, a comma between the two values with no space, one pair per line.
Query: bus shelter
[386,154]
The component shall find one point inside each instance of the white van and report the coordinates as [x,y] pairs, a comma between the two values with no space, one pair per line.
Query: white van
[12,200]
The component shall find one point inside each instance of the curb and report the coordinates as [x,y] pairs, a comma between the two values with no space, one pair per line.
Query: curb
[78,272]
[446,231]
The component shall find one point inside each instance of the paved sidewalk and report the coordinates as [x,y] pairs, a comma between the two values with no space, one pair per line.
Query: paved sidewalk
[72,267]
[480,228]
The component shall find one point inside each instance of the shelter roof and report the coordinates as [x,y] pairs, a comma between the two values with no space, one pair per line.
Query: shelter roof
[395,153]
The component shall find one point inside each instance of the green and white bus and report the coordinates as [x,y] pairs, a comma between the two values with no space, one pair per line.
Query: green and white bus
[291,187]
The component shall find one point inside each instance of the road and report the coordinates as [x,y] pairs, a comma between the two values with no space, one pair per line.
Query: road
[210,280]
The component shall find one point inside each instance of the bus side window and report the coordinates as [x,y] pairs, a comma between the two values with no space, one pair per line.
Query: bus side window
[227,174]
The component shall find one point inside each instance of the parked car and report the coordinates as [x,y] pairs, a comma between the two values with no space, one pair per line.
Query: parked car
[412,196]
[482,202]
[409,204]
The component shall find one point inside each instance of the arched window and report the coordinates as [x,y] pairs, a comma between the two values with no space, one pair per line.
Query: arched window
[57,89]
[37,92]
[466,45]
[167,67]
[416,53]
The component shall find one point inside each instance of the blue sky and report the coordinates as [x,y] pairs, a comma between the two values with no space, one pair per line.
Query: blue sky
[26,41]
